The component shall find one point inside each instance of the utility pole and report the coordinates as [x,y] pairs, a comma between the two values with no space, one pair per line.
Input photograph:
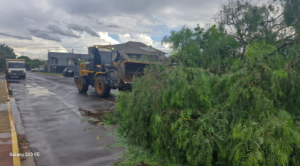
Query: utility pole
[72,57]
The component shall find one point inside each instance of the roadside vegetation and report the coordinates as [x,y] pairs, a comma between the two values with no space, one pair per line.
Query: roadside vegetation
[32,63]
[230,96]
[53,74]
[82,61]
[5,53]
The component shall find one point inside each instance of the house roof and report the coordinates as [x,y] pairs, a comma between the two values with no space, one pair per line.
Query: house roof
[136,48]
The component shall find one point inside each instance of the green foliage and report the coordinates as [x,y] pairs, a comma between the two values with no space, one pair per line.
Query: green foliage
[82,61]
[259,50]
[198,48]
[32,63]
[27,59]
[232,99]
[276,22]
[6,52]
[189,116]
[136,156]
[36,63]
[291,12]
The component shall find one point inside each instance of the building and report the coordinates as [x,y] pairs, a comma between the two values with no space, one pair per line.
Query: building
[135,50]
[58,61]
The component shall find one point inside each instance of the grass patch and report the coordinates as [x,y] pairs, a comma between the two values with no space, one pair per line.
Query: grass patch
[53,74]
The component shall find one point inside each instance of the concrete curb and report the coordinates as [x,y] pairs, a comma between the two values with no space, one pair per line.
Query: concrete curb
[15,146]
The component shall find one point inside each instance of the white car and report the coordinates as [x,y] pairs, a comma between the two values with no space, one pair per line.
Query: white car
[37,69]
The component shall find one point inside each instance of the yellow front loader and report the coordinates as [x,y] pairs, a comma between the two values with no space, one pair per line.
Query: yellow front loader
[107,70]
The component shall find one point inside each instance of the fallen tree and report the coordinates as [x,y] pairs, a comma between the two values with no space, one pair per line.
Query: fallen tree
[190,116]
[227,101]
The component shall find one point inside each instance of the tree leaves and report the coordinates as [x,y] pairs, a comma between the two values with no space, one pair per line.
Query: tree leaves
[232,97]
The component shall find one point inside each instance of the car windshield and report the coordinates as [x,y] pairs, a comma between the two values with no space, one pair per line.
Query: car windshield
[16,65]
[70,69]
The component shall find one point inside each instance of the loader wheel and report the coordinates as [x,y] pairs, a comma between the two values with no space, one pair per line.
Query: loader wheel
[102,86]
[82,85]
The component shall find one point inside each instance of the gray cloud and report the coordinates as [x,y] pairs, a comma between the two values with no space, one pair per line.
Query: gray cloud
[16,36]
[156,18]
[43,34]
[82,28]
[113,25]
[98,22]
[29,20]
[146,7]
[87,16]
[56,29]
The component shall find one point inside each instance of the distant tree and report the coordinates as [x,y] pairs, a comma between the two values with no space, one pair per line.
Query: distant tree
[27,59]
[275,22]
[5,52]
[34,64]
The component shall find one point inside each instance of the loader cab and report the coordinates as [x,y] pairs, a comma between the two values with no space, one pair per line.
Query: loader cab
[105,55]
[95,60]
[101,55]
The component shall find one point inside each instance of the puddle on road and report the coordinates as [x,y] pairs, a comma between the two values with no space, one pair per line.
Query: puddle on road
[93,118]
[38,91]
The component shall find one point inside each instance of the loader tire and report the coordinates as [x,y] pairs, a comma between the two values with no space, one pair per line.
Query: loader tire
[82,85]
[102,86]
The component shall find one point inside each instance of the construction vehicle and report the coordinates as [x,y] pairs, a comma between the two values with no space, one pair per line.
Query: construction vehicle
[15,68]
[106,70]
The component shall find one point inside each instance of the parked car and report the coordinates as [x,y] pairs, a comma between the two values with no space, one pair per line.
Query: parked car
[35,69]
[38,69]
[68,72]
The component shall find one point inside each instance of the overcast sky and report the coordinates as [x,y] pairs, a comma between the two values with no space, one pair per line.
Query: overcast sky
[32,27]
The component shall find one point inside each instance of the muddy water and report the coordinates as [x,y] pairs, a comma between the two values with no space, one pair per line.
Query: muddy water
[37,91]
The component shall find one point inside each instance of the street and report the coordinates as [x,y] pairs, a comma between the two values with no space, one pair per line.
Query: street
[53,117]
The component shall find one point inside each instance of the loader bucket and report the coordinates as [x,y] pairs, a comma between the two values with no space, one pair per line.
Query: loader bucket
[128,69]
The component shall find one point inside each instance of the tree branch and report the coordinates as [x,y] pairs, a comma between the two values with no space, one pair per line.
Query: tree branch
[272,20]
[285,44]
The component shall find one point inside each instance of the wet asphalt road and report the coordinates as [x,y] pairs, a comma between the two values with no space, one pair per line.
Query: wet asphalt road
[54,117]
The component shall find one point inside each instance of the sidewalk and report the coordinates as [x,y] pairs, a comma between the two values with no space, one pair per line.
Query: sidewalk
[8,135]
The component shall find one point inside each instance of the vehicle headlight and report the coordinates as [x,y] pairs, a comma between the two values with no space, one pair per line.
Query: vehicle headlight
[9,71]
[24,71]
